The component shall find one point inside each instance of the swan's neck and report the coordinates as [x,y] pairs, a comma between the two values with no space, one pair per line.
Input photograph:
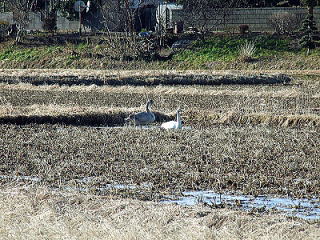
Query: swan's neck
[147,107]
[179,120]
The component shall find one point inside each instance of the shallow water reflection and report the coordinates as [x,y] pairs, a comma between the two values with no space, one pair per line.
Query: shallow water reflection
[308,209]
[302,208]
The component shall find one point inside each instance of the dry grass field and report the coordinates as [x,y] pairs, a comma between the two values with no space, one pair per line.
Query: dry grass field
[41,213]
[253,139]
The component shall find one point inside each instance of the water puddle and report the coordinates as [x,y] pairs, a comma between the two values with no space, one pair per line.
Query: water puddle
[110,187]
[308,209]
[302,208]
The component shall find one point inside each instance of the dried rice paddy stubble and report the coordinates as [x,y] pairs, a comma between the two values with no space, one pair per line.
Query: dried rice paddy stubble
[38,213]
[258,160]
[280,105]
[138,77]
[193,96]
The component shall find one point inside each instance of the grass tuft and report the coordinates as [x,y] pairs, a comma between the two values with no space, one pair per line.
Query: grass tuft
[247,51]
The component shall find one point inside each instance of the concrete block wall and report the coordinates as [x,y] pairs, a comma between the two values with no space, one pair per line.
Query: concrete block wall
[36,23]
[256,18]
[7,17]
[63,24]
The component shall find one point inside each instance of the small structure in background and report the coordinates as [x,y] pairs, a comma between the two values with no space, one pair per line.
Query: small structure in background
[164,16]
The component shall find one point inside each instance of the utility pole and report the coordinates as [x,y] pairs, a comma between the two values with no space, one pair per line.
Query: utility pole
[79,6]
[80,20]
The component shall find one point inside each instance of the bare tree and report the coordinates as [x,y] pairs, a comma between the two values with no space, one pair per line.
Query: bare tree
[310,4]
[206,15]
[117,15]
[121,16]
[21,10]
[284,22]
[112,15]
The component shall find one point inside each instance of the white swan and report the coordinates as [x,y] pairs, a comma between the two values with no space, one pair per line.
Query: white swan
[173,124]
[143,118]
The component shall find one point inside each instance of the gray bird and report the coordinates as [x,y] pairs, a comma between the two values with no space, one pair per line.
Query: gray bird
[142,118]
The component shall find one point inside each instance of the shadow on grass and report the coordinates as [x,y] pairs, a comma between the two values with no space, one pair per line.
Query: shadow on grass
[94,119]
[150,80]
